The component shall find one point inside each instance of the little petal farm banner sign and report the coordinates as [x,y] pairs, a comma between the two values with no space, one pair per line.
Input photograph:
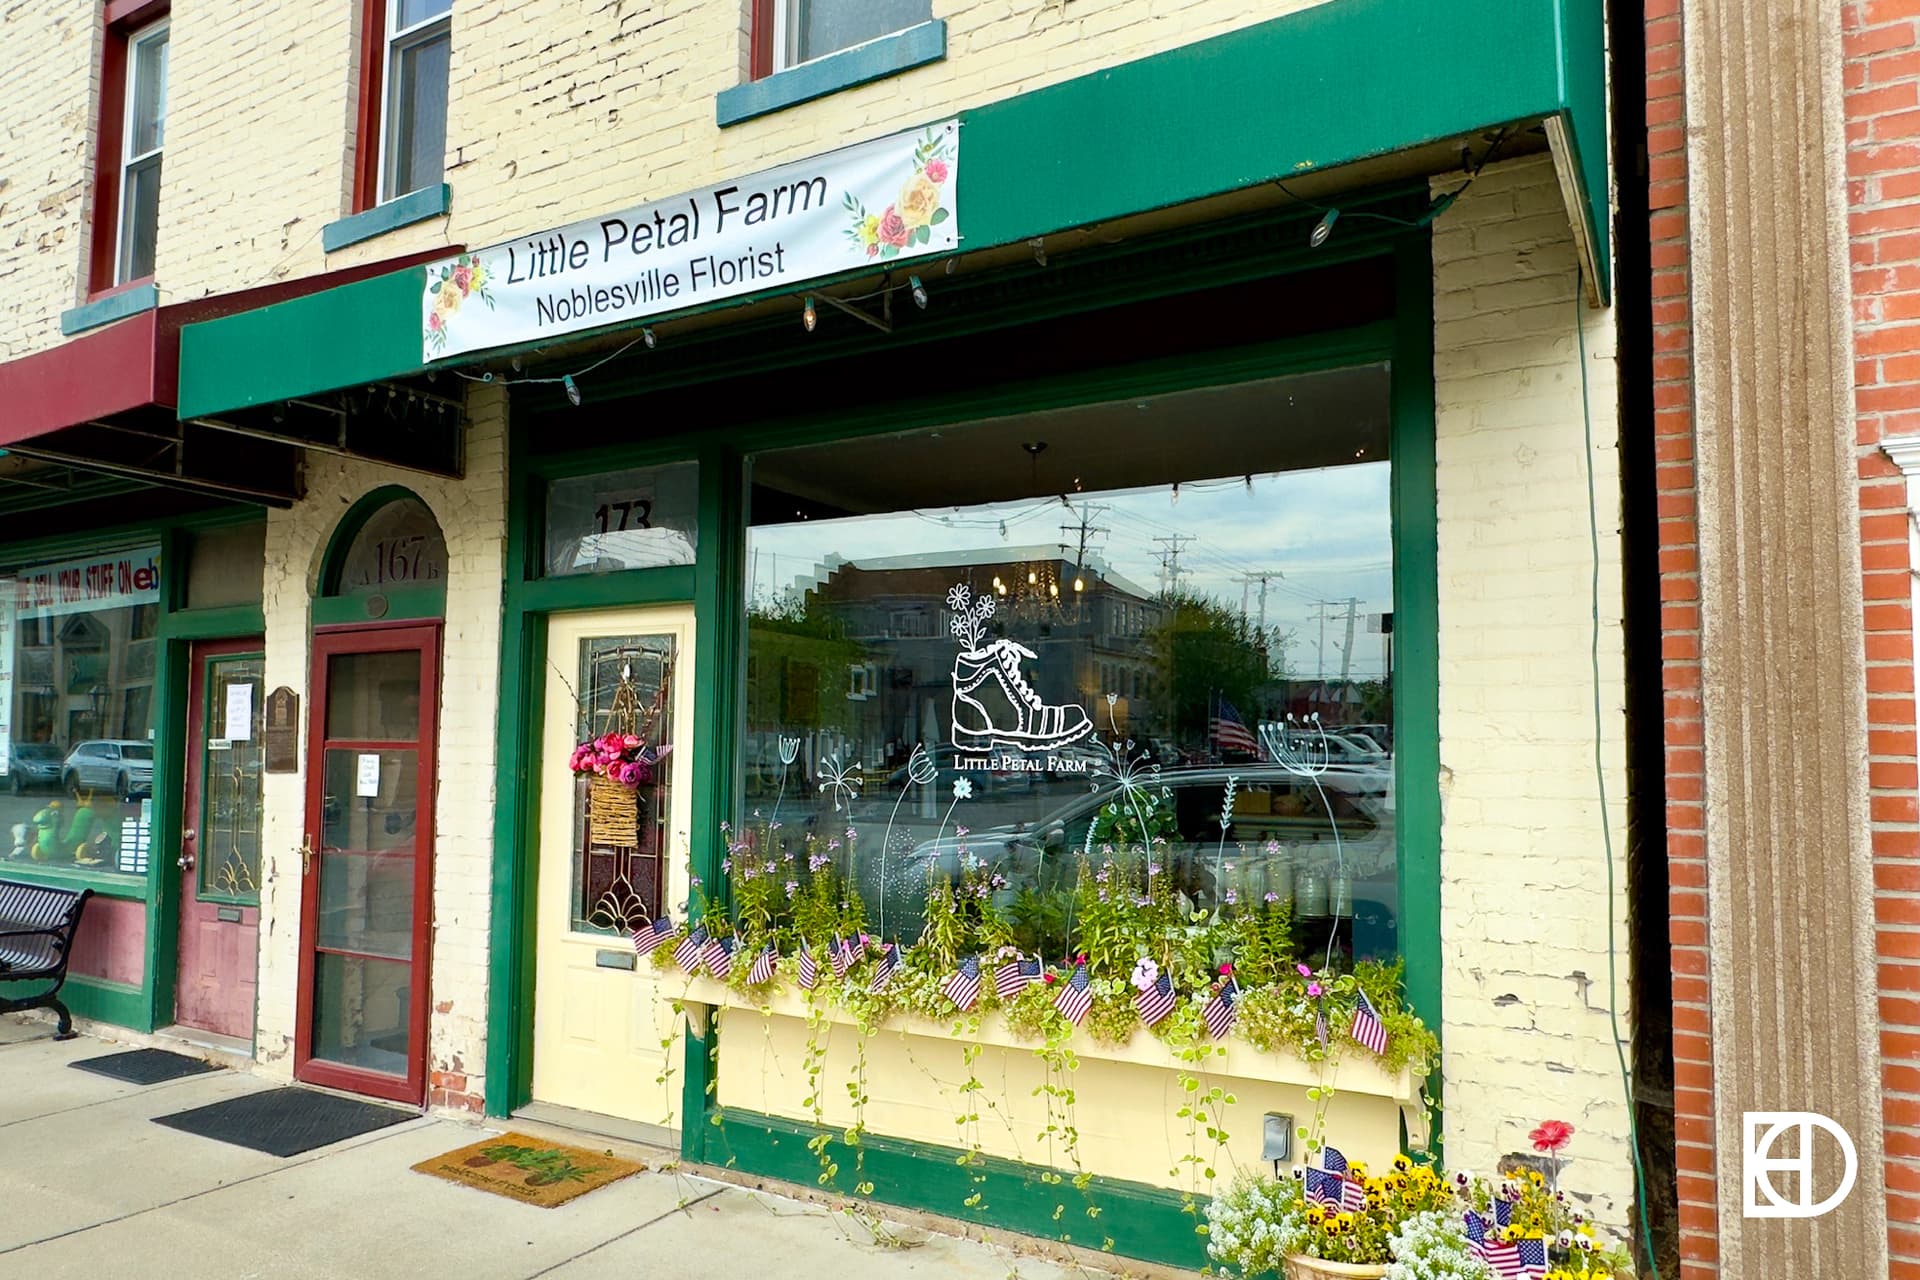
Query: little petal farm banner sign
[876,202]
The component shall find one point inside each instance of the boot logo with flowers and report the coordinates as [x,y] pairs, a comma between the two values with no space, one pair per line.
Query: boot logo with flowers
[993,705]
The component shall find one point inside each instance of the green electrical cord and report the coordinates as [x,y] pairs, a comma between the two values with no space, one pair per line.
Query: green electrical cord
[1600,778]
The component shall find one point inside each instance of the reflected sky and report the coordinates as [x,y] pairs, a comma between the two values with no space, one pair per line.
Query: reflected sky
[1324,535]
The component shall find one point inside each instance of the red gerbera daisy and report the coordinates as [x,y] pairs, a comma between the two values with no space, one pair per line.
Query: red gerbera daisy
[1552,1135]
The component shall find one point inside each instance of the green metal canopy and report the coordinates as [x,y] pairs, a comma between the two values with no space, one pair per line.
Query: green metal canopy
[1342,82]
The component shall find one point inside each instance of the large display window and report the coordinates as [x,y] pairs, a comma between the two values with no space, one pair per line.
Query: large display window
[77,667]
[1141,640]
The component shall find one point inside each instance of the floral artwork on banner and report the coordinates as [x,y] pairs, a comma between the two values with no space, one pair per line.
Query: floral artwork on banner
[465,277]
[920,206]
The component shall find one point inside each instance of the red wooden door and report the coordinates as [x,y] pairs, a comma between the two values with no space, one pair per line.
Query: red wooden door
[367,864]
[216,982]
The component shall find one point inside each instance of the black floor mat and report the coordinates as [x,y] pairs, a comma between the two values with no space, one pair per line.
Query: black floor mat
[145,1066]
[285,1122]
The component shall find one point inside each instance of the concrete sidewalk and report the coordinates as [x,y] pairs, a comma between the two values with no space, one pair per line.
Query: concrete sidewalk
[90,1187]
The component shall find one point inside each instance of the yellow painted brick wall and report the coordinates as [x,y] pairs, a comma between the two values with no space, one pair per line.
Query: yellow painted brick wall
[472,516]
[46,148]
[557,110]
[1524,905]
[560,110]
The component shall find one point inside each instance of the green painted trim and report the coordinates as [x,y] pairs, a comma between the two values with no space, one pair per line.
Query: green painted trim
[108,884]
[215,624]
[719,602]
[1274,100]
[862,64]
[114,306]
[516,815]
[401,603]
[1416,634]
[170,684]
[1143,1222]
[117,1003]
[601,590]
[401,211]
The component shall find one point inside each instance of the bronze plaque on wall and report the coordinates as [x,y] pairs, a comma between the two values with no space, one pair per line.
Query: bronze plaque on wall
[282,736]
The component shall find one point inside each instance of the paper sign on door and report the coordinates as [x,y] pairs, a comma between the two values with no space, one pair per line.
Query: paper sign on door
[239,712]
[369,779]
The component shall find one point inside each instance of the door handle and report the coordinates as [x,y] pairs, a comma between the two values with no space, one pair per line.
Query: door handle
[306,856]
[185,861]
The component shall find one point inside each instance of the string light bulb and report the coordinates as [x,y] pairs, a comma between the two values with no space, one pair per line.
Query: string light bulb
[1323,229]
[808,316]
[646,336]
[573,390]
[1079,583]
[1032,578]
[919,292]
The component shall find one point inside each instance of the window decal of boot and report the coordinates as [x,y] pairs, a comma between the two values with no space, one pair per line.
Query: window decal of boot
[993,705]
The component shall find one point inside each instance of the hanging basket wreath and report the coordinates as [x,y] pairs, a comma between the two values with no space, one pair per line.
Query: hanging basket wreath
[618,763]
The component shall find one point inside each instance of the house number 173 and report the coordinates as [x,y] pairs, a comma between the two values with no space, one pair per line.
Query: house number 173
[613,517]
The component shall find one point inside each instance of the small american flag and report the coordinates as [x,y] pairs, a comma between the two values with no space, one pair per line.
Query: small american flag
[1333,1160]
[762,970]
[1076,996]
[1330,1189]
[1015,976]
[1503,1213]
[1223,1010]
[1320,1027]
[1367,1028]
[1156,1002]
[809,969]
[648,937]
[718,953]
[687,954]
[883,971]
[1533,1258]
[963,984]
[840,956]
[1504,1259]
[1230,731]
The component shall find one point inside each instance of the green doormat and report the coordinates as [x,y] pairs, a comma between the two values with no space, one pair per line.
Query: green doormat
[529,1170]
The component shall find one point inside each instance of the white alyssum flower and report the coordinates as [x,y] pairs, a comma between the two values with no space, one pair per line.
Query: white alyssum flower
[1254,1225]
[1433,1246]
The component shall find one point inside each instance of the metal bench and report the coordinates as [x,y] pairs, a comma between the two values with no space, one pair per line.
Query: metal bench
[37,928]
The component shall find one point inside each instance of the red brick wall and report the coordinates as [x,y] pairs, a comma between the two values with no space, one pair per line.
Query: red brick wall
[1680,636]
[1882,83]
[1882,80]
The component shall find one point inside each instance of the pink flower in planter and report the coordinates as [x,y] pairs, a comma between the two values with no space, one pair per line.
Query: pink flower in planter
[1552,1135]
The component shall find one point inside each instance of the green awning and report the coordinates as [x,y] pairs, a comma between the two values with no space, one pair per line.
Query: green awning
[1344,81]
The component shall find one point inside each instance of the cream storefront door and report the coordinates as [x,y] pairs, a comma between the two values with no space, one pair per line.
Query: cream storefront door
[598,1023]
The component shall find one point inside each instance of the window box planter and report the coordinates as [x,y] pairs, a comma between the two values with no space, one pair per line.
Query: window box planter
[1125,1095]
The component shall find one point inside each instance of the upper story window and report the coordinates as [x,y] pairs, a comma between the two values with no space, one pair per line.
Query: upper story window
[131,139]
[146,135]
[403,98]
[809,29]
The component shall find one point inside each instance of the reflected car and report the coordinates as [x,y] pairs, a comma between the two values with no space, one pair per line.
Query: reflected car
[120,766]
[1274,805]
[32,766]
